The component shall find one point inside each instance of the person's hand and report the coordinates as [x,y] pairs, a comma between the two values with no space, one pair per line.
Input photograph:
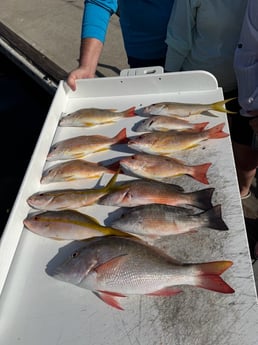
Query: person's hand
[78,73]
[254,124]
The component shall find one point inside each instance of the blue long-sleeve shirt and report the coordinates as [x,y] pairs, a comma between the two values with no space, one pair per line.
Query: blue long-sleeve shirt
[246,60]
[143,24]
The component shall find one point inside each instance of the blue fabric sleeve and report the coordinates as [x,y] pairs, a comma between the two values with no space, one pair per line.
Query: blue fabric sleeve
[96,18]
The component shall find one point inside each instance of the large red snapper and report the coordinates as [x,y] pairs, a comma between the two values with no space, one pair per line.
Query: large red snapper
[162,168]
[164,143]
[114,266]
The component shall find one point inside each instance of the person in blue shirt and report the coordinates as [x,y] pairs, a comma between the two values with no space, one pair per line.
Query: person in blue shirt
[202,35]
[244,127]
[143,24]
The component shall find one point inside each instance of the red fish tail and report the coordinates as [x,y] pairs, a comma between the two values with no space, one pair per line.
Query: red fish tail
[216,132]
[209,276]
[130,112]
[200,126]
[200,173]
[121,137]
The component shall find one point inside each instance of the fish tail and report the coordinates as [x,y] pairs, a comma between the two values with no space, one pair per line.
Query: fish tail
[200,126]
[219,106]
[216,132]
[121,137]
[129,112]
[202,198]
[208,276]
[214,218]
[200,172]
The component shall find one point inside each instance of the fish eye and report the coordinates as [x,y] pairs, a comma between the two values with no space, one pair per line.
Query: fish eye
[132,157]
[75,254]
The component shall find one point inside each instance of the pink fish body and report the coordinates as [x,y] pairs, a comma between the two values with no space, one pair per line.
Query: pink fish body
[162,168]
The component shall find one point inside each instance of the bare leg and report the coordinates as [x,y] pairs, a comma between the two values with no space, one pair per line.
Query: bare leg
[246,160]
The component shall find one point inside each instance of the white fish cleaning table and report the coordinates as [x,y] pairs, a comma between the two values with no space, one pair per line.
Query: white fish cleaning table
[37,309]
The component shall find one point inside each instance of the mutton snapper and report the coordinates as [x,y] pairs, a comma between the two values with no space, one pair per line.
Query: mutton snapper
[165,143]
[83,145]
[162,168]
[63,199]
[183,109]
[67,225]
[88,117]
[143,192]
[156,220]
[114,266]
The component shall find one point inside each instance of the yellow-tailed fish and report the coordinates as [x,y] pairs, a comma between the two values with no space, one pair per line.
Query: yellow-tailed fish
[81,146]
[162,168]
[67,225]
[68,198]
[184,109]
[156,220]
[73,170]
[142,192]
[113,267]
[164,143]
[165,123]
[88,117]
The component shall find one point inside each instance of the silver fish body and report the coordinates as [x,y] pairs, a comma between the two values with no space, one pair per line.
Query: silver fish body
[113,266]
[165,123]
[156,220]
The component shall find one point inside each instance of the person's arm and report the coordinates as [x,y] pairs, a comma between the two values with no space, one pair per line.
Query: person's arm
[179,34]
[94,27]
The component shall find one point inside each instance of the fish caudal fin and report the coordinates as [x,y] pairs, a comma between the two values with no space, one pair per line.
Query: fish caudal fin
[209,276]
[214,219]
[129,112]
[216,132]
[200,126]
[202,198]
[121,137]
[219,106]
[200,172]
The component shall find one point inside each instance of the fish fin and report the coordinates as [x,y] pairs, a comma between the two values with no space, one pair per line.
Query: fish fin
[200,126]
[216,132]
[200,172]
[168,291]
[202,198]
[110,263]
[130,112]
[108,299]
[219,106]
[209,276]
[111,182]
[121,137]
[214,218]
